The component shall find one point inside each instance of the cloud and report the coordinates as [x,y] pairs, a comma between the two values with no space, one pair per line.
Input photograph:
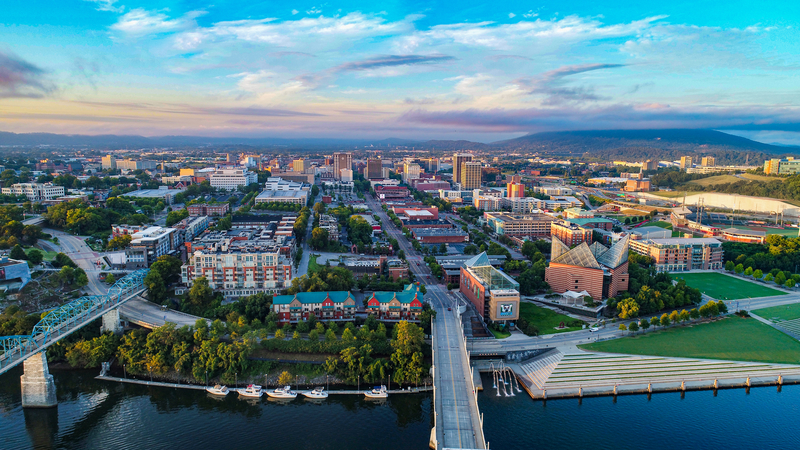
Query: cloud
[552,84]
[501,57]
[284,54]
[107,5]
[173,108]
[392,61]
[295,12]
[21,79]
[618,116]
[511,15]
[140,22]
[314,10]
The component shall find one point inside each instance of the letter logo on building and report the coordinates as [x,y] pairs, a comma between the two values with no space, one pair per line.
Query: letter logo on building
[507,310]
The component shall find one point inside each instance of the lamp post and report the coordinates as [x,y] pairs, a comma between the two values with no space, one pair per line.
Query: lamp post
[124,372]
[206,378]
[236,379]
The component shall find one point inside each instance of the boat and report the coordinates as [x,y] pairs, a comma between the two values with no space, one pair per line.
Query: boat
[377,392]
[218,390]
[252,390]
[284,392]
[318,392]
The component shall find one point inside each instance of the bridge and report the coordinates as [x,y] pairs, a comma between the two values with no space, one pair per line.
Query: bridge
[38,389]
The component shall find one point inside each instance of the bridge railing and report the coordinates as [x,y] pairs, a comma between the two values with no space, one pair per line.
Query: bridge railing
[62,320]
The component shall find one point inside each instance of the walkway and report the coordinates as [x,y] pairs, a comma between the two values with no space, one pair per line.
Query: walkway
[149,315]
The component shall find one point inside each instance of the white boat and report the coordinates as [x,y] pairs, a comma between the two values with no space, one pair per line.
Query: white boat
[318,392]
[284,392]
[377,392]
[218,390]
[252,390]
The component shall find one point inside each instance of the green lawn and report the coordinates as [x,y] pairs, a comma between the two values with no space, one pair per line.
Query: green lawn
[785,312]
[660,224]
[724,287]
[312,264]
[48,256]
[499,334]
[545,319]
[734,338]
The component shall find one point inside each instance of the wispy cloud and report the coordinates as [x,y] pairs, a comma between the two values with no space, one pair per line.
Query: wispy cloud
[140,22]
[552,84]
[392,61]
[21,79]
[107,5]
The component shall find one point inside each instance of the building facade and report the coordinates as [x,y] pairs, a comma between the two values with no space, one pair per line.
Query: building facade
[600,271]
[341,161]
[208,209]
[494,294]
[681,254]
[471,175]
[231,179]
[35,192]
[519,225]
[326,306]
[570,233]
[458,160]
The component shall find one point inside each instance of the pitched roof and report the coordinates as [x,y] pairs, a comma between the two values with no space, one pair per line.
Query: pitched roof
[312,297]
[598,249]
[407,295]
[479,260]
[579,256]
[616,255]
[557,248]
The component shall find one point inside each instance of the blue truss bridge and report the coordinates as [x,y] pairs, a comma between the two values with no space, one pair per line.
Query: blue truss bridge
[65,320]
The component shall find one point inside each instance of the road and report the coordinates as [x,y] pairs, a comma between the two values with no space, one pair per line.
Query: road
[81,254]
[457,417]
[150,315]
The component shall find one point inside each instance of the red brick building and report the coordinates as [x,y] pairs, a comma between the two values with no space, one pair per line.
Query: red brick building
[569,233]
[596,269]
[390,192]
[206,209]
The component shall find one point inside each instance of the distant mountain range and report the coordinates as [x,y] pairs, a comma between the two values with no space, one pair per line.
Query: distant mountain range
[667,143]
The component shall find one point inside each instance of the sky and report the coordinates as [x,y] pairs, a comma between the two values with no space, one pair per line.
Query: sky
[482,71]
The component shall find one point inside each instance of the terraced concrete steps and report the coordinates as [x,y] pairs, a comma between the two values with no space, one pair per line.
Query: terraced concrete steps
[540,368]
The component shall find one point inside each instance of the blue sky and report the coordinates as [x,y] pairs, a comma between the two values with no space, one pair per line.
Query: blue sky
[448,70]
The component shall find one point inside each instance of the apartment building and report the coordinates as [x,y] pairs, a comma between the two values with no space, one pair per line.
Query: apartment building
[786,166]
[471,175]
[298,165]
[108,162]
[35,192]
[373,169]
[570,233]
[519,225]
[330,306]
[458,160]
[239,262]
[397,306]
[708,161]
[681,254]
[130,164]
[231,179]
[148,243]
[686,162]
[329,223]
[208,209]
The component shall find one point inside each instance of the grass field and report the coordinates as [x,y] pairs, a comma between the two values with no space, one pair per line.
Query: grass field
[724,287]
[751,176]
[312,264]
[718,179]
[785,312]
[48,256]
[544,319]
[733,338]
[660,224]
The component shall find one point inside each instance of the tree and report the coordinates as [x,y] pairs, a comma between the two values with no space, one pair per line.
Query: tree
[694,314]
[313,335]
[738,269]
[280,335]
[769,277]
[623,328]
[723,308]
[330,336]
[628,308]
[634,327]
[780,279]
[35,256]
[665,320]
[684,316]
[644,324]
[200,295]
[729,266]
[407,357]
[18,253]
[757,274]
[674,317]
[347,336]
[285,378]
[81,279]
[66,275]
[790,283]
[748,271]
[655,322]
[111,279]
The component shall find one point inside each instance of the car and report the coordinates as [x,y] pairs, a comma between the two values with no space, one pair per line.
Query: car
[449,309]
[593,329]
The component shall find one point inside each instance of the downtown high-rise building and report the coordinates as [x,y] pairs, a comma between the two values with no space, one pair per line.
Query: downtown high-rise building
[373,170]
[341,161]
[299,165]
[515,188]
[458,160]
[708,161]
[686,162]
[431,165]
[471,175]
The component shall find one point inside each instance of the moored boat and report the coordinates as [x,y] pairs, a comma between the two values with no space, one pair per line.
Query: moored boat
[218,390]
[377,392]
[253,391]
[284,392]
[318,392]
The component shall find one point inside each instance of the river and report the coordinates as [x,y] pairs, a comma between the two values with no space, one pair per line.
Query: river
[96,414]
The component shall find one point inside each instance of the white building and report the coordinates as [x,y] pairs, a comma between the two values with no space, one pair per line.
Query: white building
[109,162]
[129,164]
[231,179]
[148,244]
[35,192]
[347,175]
[411,171]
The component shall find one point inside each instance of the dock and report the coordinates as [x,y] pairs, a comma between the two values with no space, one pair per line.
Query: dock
[416,390]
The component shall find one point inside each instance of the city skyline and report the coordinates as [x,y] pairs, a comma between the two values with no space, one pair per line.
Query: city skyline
[410,70]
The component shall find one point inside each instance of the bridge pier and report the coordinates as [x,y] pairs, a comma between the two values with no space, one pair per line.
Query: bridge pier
[111,322]
[38,388]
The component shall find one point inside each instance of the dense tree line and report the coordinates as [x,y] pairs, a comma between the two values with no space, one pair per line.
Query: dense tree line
[13,231]
[650,291]
[778,252]
[326,279]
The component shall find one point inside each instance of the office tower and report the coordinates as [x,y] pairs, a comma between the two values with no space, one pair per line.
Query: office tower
[299,165]
[708,161]
[458,160]
[471,175]
[686,162]
[341,161]
[373,169]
